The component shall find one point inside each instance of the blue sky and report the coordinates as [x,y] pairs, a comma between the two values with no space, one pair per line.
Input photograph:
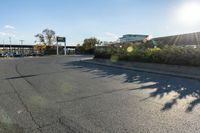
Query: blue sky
[79,19]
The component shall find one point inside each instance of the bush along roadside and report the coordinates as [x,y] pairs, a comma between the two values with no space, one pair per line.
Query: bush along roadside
[166,55]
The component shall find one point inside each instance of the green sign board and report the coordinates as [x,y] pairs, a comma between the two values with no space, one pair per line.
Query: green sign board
[60,39]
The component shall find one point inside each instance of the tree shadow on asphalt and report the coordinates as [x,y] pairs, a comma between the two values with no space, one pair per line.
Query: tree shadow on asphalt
[163,85]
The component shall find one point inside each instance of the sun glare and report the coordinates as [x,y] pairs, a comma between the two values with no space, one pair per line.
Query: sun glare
[189,13]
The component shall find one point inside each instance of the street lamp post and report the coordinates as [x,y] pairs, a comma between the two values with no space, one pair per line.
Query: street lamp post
[3,44]
[21,42]
[10,44]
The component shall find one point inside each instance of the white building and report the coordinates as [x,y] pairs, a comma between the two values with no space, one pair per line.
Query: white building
[133,38]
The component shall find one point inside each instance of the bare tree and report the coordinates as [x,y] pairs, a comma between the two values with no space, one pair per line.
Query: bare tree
[40,37]
[49,35]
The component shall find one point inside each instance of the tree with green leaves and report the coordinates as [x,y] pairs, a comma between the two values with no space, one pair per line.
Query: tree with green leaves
[89,44]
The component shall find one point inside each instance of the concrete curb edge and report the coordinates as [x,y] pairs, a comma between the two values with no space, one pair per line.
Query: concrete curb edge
[145,70]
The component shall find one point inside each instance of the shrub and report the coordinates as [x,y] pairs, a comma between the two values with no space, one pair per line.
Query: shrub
[168,54]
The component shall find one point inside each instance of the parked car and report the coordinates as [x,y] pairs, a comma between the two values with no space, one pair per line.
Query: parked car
[17,55]
[33,54]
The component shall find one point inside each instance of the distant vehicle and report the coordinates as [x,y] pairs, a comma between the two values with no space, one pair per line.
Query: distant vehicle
[33,54]
[2,55]
[37,54]
[40,54]
[6,55]
[10,55]
[17,55]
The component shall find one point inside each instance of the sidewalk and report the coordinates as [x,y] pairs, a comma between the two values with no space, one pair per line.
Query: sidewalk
[171,70]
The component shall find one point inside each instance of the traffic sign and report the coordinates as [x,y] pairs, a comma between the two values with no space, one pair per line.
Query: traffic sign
[60,39]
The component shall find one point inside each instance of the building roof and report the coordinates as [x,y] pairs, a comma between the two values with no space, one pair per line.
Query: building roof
[180,40]
[133,35]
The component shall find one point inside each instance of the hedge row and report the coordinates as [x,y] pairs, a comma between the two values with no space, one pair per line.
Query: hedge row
[167,55]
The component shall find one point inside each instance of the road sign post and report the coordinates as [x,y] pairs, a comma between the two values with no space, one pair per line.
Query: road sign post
[65,49]
[57,48]
[61,39]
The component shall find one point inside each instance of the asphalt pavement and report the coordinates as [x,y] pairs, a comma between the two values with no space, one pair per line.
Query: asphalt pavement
[61,94]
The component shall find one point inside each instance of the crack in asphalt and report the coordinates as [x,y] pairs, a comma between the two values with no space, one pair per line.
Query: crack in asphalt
[25,106]
[69,125]
[32,85]
[22,102]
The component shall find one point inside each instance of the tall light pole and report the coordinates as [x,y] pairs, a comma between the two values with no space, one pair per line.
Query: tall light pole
[3,46]
[21,42]
[10,43]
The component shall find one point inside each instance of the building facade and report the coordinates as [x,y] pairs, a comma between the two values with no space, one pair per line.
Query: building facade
[133,38]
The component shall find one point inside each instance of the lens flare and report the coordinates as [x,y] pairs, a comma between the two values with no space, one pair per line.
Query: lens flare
[130,49]
[189,13]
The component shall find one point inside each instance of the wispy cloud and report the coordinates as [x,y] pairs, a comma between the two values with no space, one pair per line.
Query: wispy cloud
[9,27]
[7,34]
[2,33]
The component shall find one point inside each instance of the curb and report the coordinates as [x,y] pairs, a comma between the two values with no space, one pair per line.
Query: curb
[145,70]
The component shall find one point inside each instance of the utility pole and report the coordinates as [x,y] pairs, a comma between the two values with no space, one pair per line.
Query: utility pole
[3,44]
[10,43]
[21,42]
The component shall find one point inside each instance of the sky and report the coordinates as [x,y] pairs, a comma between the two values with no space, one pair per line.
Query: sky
[106,20]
